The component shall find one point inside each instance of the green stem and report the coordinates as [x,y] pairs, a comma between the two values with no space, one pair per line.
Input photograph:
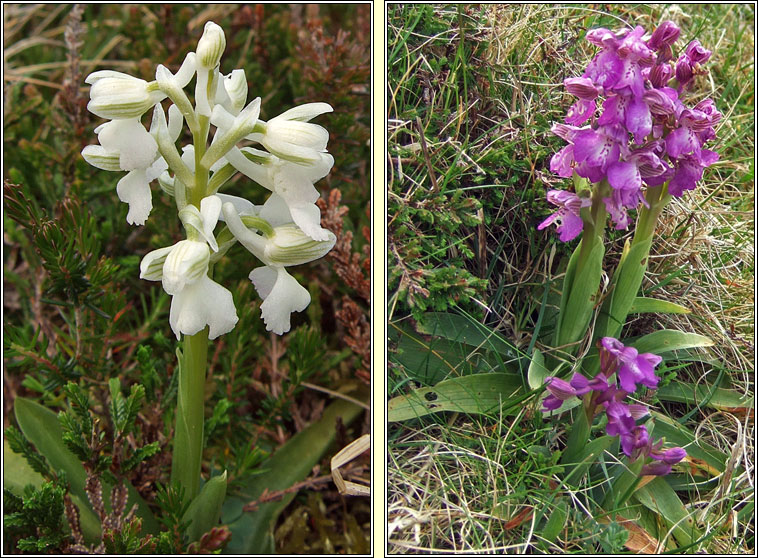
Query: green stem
[190,414]
[657,197]
[190,407]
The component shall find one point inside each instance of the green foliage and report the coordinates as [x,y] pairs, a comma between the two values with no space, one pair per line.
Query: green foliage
[128,540]
[36,519]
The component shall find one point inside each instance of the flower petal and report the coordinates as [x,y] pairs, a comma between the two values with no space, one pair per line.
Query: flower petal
[203,303]
[134,189]
[151,266]
[281,294]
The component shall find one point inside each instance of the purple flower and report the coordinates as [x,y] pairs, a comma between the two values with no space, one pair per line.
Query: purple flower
[635,442]
[663,460]
[643,135]
[632,112]
[620,419]
[661,101]
[694,125]
[580,112]
[671,456]
[689,170]
[634,48]
[662,38]
[567,217]
[605,69]
[583,386]
[598,148]
[696,53]
[561,390]
[633,368]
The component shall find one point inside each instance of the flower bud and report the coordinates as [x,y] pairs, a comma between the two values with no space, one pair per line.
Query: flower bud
[235,85]
[683,70]
[211,46]
[581,87]
[115,95]
[291,246]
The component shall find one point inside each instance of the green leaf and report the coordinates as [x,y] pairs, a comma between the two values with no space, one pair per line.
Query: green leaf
[466,330]
[623,289]
[667,340]
[252,532]
[645,305]
[678,435]
[205,510]
[579,293]
[17,473]
[41,427]
[477,394]
[715,397]
[537,371]
[660,498]
[556,522]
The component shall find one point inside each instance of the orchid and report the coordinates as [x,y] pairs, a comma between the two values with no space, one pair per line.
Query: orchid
[296,159]
[283,232]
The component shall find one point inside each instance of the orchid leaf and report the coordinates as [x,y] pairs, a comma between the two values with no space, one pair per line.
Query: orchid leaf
[667,340]
[466,330]
[41,427]
[205,510]
[704,395]
[660,498]
[17,473]
[477,394]
[645,305]
[578,298]
[537,371]
[252,531]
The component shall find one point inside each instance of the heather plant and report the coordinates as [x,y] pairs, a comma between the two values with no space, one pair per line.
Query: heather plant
[138,442]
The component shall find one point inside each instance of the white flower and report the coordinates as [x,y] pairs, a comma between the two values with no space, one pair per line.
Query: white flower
[126,145]
[115,95]
[196,300]
[287,246]
[291,181]
[290,135]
